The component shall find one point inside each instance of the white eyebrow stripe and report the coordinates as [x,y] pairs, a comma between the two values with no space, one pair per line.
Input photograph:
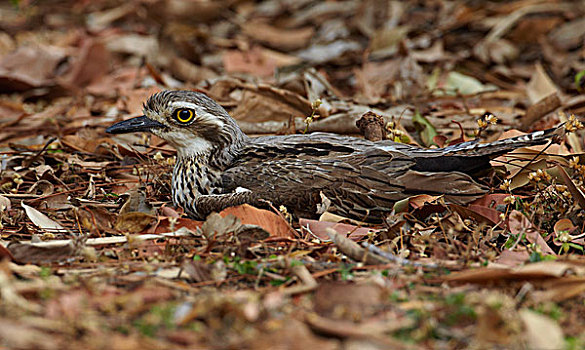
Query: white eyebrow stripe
[183,104]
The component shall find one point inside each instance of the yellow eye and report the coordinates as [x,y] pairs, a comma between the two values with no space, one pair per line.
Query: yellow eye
[184,115]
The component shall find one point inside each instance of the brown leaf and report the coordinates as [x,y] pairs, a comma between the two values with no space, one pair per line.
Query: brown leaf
[542,332]
[267,220]
[575,191]
[216,226]
[134,222]
[570,34]
[564,225]
[283,39]
[319,229]
[348,301]
[560,289]
[258,61]
[29,67]
[166,224]
[520,225]
[539,109]
[256,107]
[370,329]
[83,144]
[540,85]
[534,271]
[92,63]
[513,258]
[31,254]
[375,79]
[192,11]
[293,334]
[199,271]
[5,253]
[22,335]
[94,217]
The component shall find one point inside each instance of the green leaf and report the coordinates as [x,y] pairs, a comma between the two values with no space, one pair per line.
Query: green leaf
[401,205]
[578,78]
[425,129]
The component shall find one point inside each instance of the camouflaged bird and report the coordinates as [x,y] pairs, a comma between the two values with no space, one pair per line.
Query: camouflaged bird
[218,166]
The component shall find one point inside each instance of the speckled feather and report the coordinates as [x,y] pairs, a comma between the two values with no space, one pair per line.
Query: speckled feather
[218,166]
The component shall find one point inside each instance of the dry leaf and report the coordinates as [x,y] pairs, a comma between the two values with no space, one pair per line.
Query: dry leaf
[283,39]
[319,229]
[134,222]
[542,332]
[265,219]
[540,85]
[520,225]
[42,221]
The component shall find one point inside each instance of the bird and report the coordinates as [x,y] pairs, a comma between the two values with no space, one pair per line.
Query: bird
[218,166]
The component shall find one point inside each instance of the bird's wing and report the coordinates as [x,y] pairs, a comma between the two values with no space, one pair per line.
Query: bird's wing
[358,185]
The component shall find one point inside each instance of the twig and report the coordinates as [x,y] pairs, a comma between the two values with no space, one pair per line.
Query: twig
[389,256]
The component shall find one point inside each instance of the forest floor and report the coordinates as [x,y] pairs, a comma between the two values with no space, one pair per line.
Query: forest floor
[94,254]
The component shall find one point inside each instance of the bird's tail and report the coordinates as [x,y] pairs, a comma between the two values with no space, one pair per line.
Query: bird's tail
[472,155]
[496,148]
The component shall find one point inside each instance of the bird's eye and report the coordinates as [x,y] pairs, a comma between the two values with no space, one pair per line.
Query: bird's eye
[184,115]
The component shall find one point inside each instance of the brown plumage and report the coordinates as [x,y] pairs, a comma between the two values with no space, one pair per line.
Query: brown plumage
[219,166]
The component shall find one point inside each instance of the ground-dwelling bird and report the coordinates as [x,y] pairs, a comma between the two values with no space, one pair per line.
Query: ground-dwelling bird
[218,166]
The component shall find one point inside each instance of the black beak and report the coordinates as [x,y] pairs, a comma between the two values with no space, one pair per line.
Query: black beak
[134,125]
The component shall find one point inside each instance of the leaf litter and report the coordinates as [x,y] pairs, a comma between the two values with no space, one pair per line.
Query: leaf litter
[95,255]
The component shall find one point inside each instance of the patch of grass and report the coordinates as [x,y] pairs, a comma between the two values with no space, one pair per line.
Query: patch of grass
[345,271]
[538,256]
[45,272]
[159,317]
[458,311]
[572,343]
[551,310]
[247,267]
[276,283]
[512,239]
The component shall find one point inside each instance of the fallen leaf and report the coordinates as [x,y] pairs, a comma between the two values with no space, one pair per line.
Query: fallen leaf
[520,225]
[33,254]
[42,221]
[465,84]
[560,290]
[283,39]
[29,67]
[319,229]
[569,35]
[134,222]
[347,301]
[92,63]
[266,219]
[534,271]
[334,51]
[540,85]
[564,225]
[542,332]
[258,61]
[4,204]
[426,130]
[513,258]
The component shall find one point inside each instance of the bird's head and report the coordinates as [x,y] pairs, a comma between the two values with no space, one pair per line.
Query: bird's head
[189,121]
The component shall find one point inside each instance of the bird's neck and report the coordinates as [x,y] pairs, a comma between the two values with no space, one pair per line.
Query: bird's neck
[200,167]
